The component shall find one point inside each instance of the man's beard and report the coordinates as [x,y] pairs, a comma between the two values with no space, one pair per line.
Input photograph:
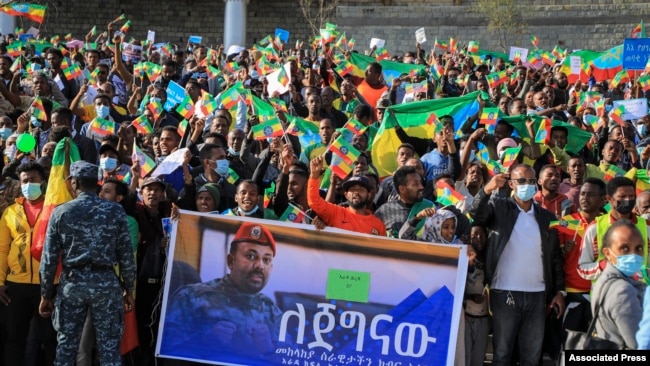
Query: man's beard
[359,205]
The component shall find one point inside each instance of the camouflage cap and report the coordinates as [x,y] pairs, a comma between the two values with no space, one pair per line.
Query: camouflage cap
[254,233]
[83,169]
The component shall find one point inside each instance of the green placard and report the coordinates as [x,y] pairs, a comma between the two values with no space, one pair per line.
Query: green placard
[347,285]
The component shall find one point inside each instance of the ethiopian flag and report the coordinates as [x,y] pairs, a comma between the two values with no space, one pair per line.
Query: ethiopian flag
[602,65]
[447,195]
[271,128]
[65,153]
[30,11]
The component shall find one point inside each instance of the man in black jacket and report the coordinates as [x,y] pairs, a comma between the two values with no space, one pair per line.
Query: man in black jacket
[523,265]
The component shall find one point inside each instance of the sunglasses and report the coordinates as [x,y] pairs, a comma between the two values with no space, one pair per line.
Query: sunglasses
[525,180]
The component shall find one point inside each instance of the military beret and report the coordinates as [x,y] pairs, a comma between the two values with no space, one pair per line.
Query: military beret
[254,233]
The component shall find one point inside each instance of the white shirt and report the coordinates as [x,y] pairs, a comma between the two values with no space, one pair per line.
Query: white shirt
[520,266]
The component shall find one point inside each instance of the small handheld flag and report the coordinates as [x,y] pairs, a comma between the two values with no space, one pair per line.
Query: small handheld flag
[543,135]
[142,125]
[489,116]
[346,151]
[447,195]
[292,214]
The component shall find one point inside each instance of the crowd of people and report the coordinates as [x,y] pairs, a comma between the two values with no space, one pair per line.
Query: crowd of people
[543,233]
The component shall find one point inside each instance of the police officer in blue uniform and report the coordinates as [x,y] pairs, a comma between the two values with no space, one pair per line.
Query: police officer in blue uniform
[90,237]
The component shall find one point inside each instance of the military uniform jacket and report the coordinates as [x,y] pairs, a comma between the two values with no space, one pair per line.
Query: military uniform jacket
[195,309]
[87,231]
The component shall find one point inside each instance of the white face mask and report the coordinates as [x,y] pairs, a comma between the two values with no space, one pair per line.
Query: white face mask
[10,152]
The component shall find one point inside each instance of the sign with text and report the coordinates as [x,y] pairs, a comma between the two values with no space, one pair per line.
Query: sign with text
[521,50]
[636,52]
[420,36]
[312,297]
[634,108]
[175,95]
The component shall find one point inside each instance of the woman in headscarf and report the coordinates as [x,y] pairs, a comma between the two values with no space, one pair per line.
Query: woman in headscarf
[440,228]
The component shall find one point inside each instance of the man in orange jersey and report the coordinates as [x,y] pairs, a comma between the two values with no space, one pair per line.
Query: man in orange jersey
[356,217]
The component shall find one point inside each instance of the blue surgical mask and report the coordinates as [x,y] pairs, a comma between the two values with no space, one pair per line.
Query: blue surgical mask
[248,213]
[629,264]
[31,191]
[525,192]
[5,132]
[222,168]
[608,107]
[154,99]
[35,122]
[102,111]
[108,164]
[233,152]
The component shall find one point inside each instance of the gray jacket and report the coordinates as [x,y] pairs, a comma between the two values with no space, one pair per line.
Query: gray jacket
[621,309]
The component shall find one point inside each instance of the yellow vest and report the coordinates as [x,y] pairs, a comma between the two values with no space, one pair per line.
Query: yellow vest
[602,224]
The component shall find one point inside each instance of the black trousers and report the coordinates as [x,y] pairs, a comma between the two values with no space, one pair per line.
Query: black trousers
[25,299]
[148,317]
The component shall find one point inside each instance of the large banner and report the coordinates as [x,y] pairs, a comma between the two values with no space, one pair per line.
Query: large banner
[260,292]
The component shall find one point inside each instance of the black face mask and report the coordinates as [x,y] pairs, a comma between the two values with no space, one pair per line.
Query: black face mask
[625,206]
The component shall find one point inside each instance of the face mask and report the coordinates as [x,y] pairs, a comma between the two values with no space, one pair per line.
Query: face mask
[10,152]
[222,168]
[248,213]
[154,100]
[233,152]
[31,191]
[108,164]
[5,132]
[35,122]
[629,264]
[646,216]
[102,111]
[625,207]
[608,107]
[525,192]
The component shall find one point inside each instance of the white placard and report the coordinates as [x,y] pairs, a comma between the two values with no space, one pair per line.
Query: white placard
[151,36]
[33,31]
[377,42]
[523,51]
[634,108]
[59,82]
[420,36]
[575,61]
[274,84]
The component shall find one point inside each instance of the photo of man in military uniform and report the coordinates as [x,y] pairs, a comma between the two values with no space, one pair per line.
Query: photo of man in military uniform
[231,314]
